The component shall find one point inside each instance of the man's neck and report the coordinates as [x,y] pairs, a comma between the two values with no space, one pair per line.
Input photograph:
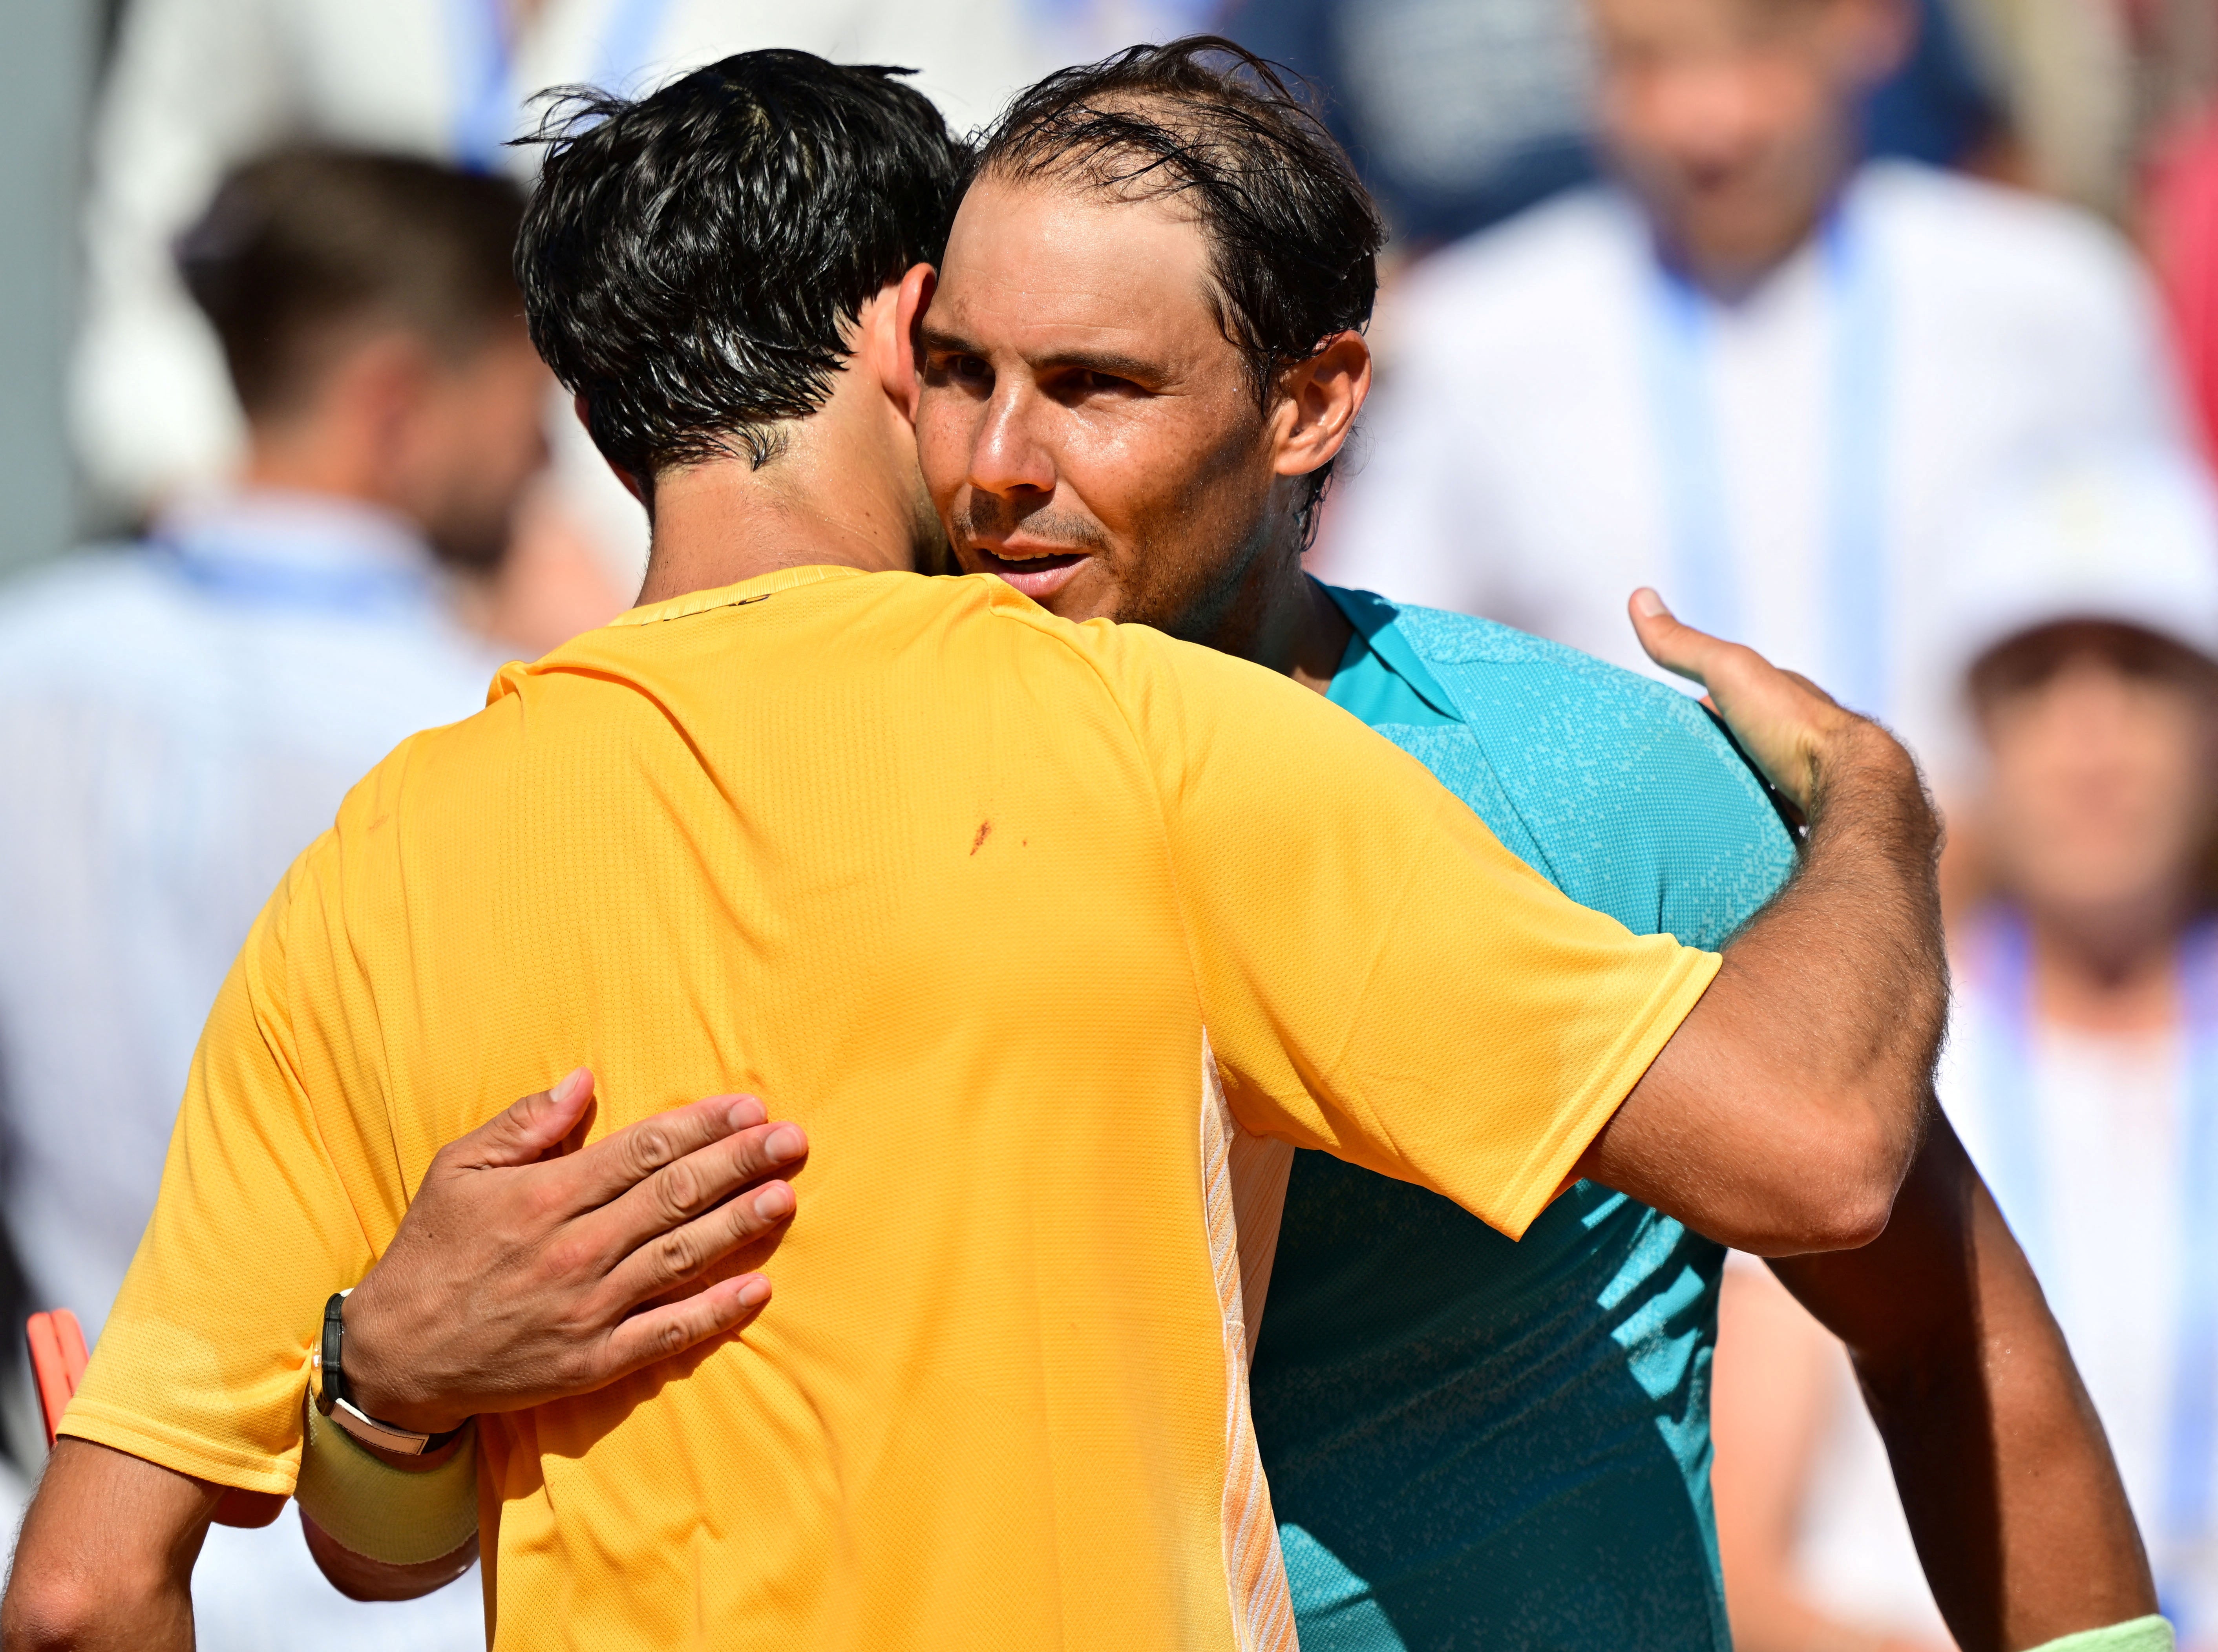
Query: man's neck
[297,460]
[1283,619]
[2119,977]
[1729,271]
[819,503]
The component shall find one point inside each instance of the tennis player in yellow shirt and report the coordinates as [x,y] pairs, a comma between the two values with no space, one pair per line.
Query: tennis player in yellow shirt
[850,838]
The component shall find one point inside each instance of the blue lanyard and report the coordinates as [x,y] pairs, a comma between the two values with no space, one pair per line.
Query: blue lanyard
[2014,1157]
[1697,502]
[486,109]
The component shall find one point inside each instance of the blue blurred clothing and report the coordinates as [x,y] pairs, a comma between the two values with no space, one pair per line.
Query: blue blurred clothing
[1476,1442]
[1460,113]
[178,719]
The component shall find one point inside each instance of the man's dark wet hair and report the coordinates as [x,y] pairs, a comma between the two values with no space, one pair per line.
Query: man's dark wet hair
[690,262]
[1293,235]
[300,248]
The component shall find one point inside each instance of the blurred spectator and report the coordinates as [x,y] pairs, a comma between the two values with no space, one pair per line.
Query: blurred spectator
[199,86]
[1462,112]
[180,717]
[1459,111]
[1758,375]
[2082,1069]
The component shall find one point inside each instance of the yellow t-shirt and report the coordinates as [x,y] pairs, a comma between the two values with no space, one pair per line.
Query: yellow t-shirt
[1026,923]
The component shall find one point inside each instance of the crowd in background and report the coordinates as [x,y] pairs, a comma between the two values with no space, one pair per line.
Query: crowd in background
[1880,334]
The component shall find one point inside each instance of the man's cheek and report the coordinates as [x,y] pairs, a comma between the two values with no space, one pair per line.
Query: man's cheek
[938,455]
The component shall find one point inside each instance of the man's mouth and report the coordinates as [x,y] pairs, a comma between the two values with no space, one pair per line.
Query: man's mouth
[1039,576]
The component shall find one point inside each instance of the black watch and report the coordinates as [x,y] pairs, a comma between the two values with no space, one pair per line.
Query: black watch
[333,1400]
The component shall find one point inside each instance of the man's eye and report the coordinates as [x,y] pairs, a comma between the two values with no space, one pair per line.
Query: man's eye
[967,371]
[1082,383]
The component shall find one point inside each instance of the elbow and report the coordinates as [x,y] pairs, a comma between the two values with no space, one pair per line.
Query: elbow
[1840,1192]
[46,1611]
[1857,1215]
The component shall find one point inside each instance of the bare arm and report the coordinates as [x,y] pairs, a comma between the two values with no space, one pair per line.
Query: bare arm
[1773,1389]
[2016,1505]
[105,1560]
[360,1578]
[1783,1113]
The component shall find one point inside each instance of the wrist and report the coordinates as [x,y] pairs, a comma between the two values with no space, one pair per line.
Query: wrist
[377,1382]
[1858,763]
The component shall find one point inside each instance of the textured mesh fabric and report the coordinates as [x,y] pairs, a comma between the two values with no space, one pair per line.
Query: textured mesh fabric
[960,888]
[1473,1442]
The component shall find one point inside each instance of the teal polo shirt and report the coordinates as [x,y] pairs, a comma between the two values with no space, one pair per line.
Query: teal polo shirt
[1478,1443]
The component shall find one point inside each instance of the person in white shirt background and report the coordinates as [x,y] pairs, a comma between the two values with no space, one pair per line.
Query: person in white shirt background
[197,87]
[2081,614]
[1757,372]
[180,716]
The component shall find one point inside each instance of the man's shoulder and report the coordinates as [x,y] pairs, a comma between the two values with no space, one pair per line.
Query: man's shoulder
[84,605]
[1990,232]
[1628,795]
[1483,651]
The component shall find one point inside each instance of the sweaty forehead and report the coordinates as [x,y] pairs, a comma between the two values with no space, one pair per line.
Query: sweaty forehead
[1033,258]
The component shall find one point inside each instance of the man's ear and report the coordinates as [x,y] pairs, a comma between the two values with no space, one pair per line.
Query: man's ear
[1319,400]
[630,482]
[912,298]
[379,388]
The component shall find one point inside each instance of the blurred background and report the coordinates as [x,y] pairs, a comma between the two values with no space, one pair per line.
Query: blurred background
[1882,334]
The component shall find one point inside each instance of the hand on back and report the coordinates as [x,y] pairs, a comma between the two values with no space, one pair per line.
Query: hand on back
[522,1273]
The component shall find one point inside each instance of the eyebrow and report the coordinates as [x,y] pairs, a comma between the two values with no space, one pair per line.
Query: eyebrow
[1112,362]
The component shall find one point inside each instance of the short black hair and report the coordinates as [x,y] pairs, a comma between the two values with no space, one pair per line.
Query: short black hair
[690,262]
[1293,235]
[300,245]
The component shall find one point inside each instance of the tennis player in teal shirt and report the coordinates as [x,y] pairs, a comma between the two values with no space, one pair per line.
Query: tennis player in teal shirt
[1472,1442]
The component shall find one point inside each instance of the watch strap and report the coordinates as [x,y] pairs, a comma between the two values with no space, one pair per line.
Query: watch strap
[334,1402]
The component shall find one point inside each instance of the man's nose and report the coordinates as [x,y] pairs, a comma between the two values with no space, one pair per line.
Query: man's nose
[1009,457]
[1708,115]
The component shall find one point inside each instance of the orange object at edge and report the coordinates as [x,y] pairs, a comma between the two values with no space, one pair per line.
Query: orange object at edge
[57,1362]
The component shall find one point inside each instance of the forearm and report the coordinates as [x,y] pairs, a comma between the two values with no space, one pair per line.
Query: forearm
[2004,1470]
[104,1563]
[360,1578]
[385,1527]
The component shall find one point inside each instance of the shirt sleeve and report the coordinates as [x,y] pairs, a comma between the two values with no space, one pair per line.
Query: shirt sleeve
[1379,977]
[203,1362]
